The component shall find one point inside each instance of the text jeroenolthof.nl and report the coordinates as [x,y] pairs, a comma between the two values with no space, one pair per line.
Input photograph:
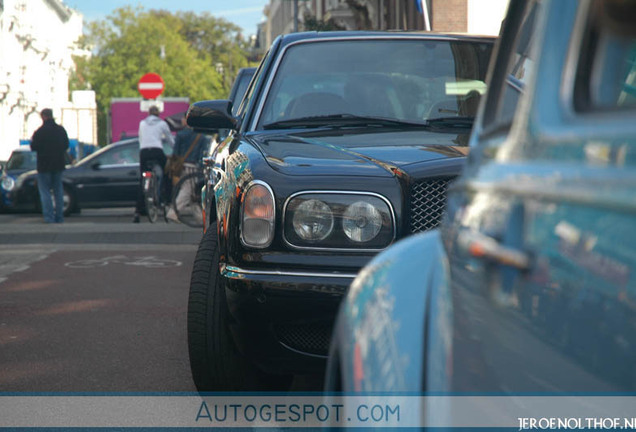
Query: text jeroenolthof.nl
[573,423]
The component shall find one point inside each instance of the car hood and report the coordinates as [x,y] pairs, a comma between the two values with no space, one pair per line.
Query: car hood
[351,152]
[26,176]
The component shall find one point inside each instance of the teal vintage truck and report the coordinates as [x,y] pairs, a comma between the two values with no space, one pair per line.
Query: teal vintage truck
[528,287]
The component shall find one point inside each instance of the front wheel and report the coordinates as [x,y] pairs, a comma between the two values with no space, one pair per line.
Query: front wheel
[215,362]
[69,201]
[152,210]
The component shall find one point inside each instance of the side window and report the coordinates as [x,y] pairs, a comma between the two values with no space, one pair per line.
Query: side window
[606,76]
[240,112]
[514,67]
[241,87]
[120,156]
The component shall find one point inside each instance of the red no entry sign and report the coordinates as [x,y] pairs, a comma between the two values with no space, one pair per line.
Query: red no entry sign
[150,86]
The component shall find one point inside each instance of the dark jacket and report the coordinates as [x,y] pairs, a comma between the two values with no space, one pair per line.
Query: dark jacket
[183,141]
[50,142]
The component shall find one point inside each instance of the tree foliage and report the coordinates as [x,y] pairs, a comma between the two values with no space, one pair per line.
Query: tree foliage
[361,14]
[196,55]
[311,23]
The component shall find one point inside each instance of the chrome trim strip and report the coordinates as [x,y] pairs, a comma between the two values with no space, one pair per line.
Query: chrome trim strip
[305,353]
[428,37]
[225,269]
[120,165]
[582,194]
[571,64]
[336,192]
[271,193]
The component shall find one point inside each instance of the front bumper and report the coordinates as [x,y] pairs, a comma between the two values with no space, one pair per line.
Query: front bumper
[282,320]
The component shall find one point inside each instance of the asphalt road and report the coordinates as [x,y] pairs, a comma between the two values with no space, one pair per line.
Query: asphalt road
[117,323]
[97,304]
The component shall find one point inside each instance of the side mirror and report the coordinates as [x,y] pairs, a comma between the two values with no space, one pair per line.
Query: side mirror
[210,116]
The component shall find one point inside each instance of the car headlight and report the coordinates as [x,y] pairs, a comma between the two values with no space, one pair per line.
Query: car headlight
[338,220]
[362,222]
[312,220]
[258,215]
[7,183]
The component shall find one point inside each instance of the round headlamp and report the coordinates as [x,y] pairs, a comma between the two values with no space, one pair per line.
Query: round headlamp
[7,183]
[313,220]
[361,222]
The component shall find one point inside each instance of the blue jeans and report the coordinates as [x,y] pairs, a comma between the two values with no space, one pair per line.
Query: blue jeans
[47,182]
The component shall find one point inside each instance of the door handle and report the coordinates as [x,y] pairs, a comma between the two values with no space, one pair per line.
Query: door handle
[482,246]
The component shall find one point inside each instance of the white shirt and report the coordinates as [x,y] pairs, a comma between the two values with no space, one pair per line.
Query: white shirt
[152,132]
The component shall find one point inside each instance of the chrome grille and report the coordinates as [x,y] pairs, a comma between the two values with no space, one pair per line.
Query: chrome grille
[428,201]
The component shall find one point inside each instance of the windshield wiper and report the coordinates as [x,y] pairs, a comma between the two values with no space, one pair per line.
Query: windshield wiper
[340,120]
[451,122]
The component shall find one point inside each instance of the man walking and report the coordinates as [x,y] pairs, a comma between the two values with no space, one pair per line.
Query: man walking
[50,142]
[152,132]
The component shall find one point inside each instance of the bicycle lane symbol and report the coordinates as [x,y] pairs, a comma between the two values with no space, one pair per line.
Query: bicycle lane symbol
[145,261]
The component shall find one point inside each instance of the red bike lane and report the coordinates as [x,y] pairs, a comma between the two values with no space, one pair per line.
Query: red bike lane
[105,319]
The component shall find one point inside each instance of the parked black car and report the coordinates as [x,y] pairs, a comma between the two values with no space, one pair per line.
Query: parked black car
[345,142]
[107,178]
[22,159]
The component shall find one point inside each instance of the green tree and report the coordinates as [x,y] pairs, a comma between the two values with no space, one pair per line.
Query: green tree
[132,41]
[311,23]
[218,38]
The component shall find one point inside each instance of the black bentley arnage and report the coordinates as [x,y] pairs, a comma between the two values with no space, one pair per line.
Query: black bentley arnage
[344,143]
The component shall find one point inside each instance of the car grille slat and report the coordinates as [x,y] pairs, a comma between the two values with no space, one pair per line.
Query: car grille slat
[428,202]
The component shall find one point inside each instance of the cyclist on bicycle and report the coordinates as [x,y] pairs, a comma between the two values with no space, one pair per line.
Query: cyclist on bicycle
[192,146]
[152,132]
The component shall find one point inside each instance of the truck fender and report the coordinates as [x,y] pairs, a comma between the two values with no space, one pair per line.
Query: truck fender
[385,329]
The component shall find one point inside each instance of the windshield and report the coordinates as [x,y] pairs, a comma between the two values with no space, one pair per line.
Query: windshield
[409,80]
[22,160]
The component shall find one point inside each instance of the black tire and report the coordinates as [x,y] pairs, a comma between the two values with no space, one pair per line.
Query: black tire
[215,362]
[152,211]
[193,215]
[69,201]
[70,204]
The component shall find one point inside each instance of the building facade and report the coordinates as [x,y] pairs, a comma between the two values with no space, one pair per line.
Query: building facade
[37,41]
[460,16]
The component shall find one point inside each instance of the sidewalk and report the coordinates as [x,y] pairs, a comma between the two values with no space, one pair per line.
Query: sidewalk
[107,226]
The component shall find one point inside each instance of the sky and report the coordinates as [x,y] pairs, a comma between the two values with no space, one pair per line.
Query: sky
[244,13]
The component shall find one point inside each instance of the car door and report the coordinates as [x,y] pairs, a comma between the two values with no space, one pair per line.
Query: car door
[542,238]
[112,178]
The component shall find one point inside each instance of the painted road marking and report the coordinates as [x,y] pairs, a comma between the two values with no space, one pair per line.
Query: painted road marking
[144,261]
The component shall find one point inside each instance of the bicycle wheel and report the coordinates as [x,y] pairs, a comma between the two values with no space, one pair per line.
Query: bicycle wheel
[150,197]
[186,199]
